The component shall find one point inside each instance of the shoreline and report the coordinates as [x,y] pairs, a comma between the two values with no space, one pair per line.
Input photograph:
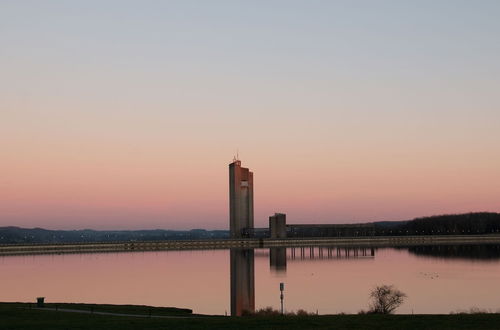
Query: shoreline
[250,243]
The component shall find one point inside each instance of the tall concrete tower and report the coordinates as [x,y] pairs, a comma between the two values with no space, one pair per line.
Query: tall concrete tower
[240,198]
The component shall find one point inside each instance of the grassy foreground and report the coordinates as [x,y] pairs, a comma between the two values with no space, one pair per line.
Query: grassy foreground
[17,316]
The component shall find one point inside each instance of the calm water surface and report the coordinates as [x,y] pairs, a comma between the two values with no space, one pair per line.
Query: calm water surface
[437,279]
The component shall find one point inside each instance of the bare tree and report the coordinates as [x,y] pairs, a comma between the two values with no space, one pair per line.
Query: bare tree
[385,299]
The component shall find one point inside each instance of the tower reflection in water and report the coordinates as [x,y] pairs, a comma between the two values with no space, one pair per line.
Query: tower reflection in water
[242,268]
[277,259]
[242,281]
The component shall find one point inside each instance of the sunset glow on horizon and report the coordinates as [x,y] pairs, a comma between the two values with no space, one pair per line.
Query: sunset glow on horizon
[117,118]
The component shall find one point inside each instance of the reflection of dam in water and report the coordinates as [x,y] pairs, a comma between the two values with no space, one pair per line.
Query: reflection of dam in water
[278,257]
[482,252]
[319,252]
[242,268]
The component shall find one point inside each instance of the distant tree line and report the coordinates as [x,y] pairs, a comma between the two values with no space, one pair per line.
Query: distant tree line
[456,224]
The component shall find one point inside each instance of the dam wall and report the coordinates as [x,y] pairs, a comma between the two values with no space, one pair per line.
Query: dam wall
[374,241]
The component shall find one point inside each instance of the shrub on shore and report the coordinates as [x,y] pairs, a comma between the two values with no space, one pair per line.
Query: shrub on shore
[385,299]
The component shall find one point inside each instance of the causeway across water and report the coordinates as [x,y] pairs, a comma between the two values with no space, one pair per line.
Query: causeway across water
[373,241]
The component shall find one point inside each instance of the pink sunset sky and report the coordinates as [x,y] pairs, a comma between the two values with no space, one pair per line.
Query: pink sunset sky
[125,115]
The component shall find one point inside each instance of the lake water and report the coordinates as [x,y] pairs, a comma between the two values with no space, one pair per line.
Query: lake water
[437,279]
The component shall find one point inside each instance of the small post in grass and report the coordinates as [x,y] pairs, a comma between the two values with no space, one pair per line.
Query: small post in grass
[40,302]
[282,288]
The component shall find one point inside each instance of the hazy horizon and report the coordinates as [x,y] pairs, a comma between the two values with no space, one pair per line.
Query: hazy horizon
[125,115]
[227,228]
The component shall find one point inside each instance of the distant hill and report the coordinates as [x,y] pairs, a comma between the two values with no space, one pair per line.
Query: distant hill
[16,235]
[455,224]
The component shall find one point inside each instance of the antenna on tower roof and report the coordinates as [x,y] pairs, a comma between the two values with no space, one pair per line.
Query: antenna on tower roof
[237,157]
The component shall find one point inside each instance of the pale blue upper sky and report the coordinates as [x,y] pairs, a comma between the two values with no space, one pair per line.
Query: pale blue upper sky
[232,51]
